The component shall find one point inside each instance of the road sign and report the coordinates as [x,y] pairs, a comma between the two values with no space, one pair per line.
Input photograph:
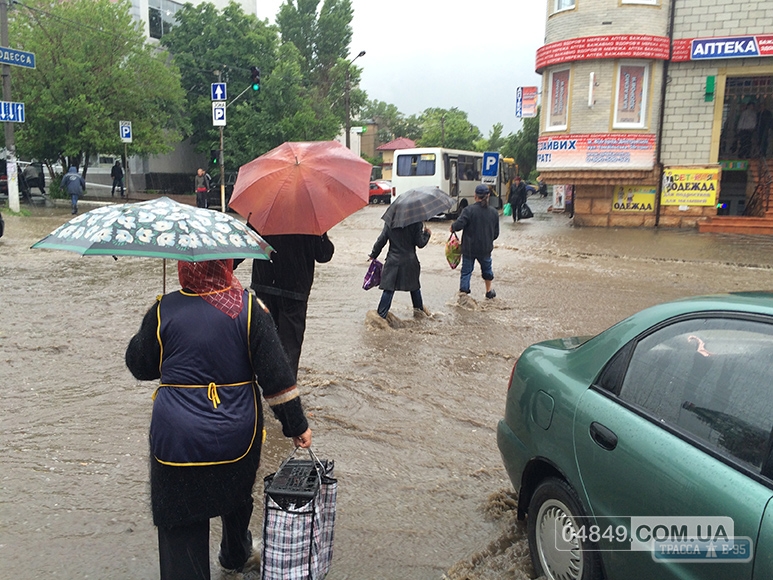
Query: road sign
[17,57]
[490,168]
[11,112]
[218,113]
[125,130]
[218,92]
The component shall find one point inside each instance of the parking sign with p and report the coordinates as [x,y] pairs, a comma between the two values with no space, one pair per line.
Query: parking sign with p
[125,131]
[490,168]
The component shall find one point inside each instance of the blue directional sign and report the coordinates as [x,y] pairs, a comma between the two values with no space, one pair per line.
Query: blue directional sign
[490,167]
[125,131]
[218,92]
[11,112]
[17,57]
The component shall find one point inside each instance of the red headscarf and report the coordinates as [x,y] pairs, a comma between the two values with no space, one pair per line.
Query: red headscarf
[214,281]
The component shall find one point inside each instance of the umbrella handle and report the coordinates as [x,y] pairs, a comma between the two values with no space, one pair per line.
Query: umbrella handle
[163,291]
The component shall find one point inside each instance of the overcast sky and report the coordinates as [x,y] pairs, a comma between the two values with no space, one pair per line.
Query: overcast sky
[437,53]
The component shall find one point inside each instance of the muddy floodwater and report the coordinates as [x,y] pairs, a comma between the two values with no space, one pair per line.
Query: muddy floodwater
[409,415]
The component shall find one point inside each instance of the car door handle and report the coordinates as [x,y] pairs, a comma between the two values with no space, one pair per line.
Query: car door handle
[604,437]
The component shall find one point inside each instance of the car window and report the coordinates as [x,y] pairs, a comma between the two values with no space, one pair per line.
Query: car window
[711,378]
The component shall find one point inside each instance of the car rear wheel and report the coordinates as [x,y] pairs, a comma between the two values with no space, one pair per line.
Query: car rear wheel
[555,517]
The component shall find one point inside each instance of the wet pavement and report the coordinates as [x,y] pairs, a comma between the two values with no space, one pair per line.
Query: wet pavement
[408,415]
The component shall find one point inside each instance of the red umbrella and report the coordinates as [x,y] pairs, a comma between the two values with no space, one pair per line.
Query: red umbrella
[301,188]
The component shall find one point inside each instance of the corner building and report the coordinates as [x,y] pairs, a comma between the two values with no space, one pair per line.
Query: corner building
[642,106]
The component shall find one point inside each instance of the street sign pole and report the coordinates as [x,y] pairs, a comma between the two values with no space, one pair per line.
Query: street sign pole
[10,143]
[221,159]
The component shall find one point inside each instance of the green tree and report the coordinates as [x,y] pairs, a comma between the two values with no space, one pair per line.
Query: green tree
[447,128]
[93,69]
[522,146]
[205,40]
[495,140]
[391,122]
[323,39]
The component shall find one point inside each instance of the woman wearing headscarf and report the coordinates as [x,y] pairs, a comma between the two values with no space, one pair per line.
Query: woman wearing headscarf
[211,344]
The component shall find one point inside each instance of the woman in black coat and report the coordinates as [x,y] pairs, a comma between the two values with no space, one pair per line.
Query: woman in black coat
[401,267]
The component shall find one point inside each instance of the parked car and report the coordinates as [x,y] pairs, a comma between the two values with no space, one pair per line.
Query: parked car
[667,414]
[213,195]
[380,191]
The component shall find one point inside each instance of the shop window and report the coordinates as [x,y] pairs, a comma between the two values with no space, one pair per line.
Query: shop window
[631,95]
[558,101]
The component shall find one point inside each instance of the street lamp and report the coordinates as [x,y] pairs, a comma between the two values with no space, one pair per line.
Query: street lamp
[347,101]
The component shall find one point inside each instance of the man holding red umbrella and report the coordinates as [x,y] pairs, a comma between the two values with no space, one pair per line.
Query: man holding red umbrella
[284,285]
[292,196]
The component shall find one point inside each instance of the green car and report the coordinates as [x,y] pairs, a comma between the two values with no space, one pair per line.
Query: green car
[646,452]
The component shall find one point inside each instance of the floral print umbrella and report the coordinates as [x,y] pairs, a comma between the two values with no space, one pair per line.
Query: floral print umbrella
[159,228]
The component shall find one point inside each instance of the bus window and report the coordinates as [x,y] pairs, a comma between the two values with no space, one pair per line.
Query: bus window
[408,165]
[468,168]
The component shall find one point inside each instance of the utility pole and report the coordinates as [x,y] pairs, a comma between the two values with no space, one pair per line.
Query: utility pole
[10,144]
[347,100]
[221,157]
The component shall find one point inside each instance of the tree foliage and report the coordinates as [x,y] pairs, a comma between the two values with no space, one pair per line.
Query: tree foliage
[522,146]
[447,128]
[93,69]
[287,107]
[391,122]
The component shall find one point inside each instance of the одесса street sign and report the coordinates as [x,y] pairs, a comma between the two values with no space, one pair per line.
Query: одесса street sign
[17,57]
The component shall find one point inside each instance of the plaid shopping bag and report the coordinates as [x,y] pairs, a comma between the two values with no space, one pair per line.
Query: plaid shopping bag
[298,530]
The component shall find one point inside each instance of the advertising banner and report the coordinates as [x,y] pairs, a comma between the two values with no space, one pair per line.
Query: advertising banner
[558,113]
[634,198]
[630,94]
[696,186]
[597,151]
[526,102]
[609,46]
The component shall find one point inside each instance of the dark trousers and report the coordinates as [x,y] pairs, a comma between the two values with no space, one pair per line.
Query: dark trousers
[290,320]
[117,182]
[201,198]
[183,551]
[386,301]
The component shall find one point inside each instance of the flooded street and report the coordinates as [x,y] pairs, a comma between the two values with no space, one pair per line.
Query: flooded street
[409,415]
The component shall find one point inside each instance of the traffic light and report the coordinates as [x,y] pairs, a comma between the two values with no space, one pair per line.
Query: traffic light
[255,74]
[214,156]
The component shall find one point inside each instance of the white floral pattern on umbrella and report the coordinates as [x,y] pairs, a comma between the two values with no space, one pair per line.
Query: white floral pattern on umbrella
[160,228]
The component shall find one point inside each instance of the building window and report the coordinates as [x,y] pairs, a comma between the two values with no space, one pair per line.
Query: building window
[631,101]
[558,101]
[564,5]
[161,16]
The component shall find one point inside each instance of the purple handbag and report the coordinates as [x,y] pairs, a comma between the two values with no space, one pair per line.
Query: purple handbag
[373,275]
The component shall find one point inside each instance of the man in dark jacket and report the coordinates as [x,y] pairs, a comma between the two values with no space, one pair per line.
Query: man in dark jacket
[116,172]
[74,185]
[481,227]
[284,285]
[517,197]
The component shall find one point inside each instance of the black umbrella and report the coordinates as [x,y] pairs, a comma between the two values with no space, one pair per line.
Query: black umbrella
[417,205]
